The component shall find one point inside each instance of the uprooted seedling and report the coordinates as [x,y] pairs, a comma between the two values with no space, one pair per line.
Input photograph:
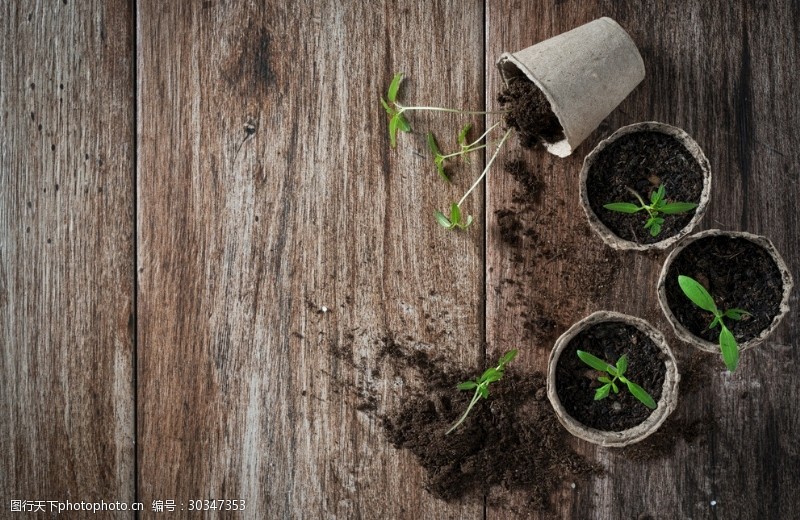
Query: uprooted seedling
[658,206]
[399,123]
[617,372]
[698,294]
[481,384]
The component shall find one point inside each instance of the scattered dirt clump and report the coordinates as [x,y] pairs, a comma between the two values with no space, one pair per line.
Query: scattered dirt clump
[510,442]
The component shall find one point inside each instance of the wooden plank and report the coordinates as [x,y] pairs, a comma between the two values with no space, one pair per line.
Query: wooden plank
[721,72]
[66,252]
[280,239]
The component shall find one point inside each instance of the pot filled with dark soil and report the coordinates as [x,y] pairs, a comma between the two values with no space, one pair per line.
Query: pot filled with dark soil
[739,271]
[598,406]
[569,83]
[645,187]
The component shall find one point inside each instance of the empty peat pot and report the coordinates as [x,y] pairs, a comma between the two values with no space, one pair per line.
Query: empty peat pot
[632,164]
[739,270]
[619,419]
[584,74]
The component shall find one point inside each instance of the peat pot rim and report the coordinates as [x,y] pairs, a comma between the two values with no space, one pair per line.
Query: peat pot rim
[608,236]
[682,332]
[669,392]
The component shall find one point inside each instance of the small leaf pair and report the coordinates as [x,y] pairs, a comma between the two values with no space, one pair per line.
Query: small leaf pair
[617,372]
[481,384]
[439,158]
[701,297]
[397,121]
[454,221]
[658,206]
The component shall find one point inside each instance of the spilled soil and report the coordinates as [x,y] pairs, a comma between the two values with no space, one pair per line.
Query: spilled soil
[524,229]
[512,441]
[529,113]
[641,162]
[738,274]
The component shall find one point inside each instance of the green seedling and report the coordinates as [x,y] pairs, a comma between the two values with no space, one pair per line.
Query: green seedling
[398,123]
[658,206]
[481,384]
[397,111]
[701,297]
[618,374]
[454,221]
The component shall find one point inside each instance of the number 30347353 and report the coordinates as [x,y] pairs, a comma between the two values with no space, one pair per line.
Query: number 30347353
[216,505]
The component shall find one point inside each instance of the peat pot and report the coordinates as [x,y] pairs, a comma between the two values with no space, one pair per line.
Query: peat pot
[584,74]
[619,419]
[739,270]
[632,164]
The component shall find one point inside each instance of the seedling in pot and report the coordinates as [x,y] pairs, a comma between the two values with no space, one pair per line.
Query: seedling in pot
[398,122]
[617,372]
[701,297]
[481,384]
[658,206]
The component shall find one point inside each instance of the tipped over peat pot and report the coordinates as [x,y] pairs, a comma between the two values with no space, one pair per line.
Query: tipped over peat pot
[619,419]
[739,270]
[584,74]
[639,158]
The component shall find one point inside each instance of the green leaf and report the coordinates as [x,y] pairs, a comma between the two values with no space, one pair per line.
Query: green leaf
[604,379]
[402,123]
[491,375]
[468,222]
[615,387]
[394,86]
[642,395]
[467,385]
[389,110]
[483,391]
[657,196]
[455,213]
[602,392]
[622,365]
[697,293]
[508,357]
[730,350]
[462,135]
[736,314]
[674,208]
[438,158]
[654,224]
[442,220]
[393,122]
[623,207]
[714,322]
[594,361]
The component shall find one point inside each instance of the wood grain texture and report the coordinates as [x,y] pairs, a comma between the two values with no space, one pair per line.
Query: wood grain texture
[66,252]
[267,192]
[723,73]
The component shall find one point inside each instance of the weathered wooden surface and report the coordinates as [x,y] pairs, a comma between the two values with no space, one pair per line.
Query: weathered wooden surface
[723,73]
[278,239]
[66,252]
[267,193]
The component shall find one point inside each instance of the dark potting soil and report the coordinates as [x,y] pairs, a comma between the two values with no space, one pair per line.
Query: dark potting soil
[529,113]
[738,274]
[576,382]
[511,441]
[643,161]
